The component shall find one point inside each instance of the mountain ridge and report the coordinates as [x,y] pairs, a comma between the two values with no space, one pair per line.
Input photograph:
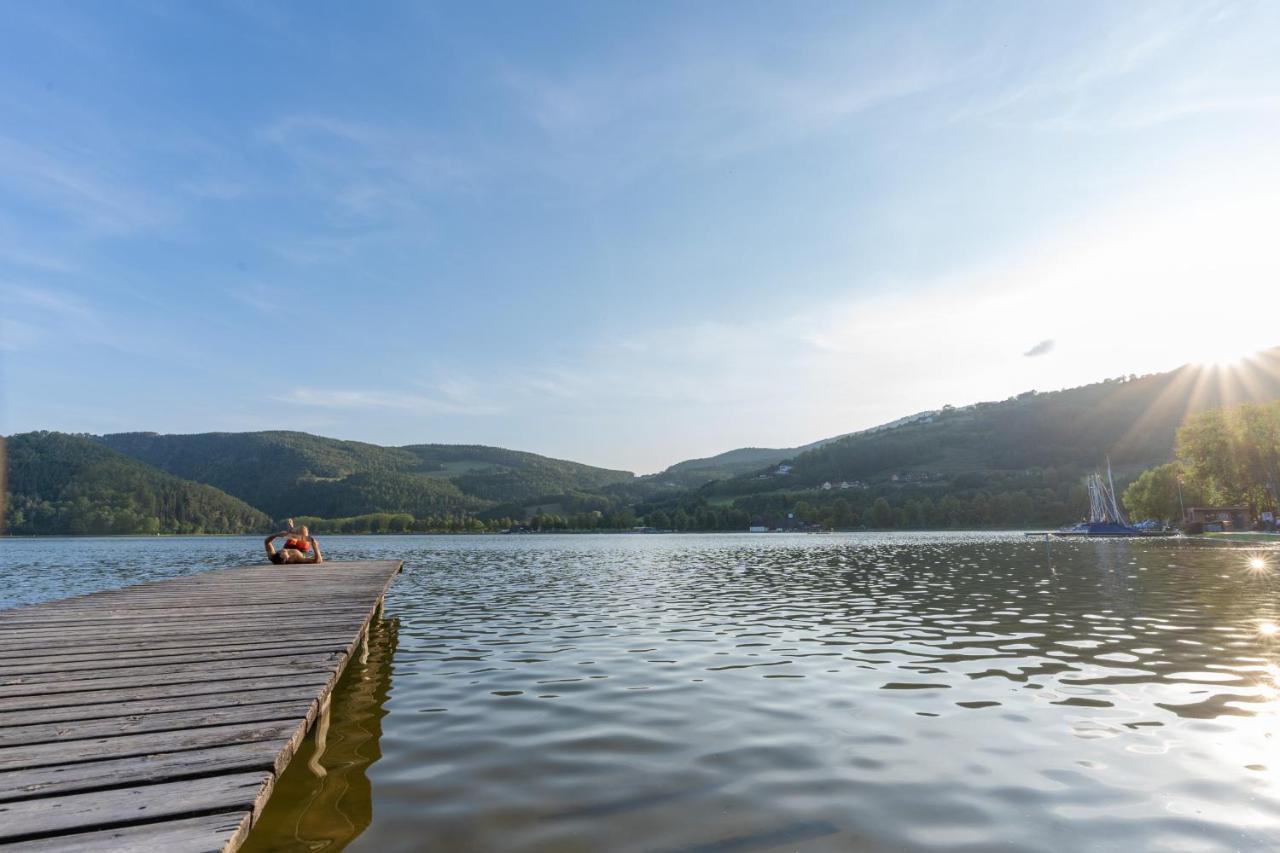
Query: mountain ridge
[1015,461]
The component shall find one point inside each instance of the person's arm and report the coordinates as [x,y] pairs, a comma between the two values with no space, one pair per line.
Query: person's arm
[271,548]
[315,546]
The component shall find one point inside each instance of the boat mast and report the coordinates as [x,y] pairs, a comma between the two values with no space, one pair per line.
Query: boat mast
[1115,508]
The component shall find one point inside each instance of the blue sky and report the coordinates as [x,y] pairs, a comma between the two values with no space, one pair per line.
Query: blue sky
[622,233]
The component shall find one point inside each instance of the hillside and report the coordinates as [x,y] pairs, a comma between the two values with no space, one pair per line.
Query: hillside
[293,473]
[692,473]
[723,466]
[71,484]
[1018,461]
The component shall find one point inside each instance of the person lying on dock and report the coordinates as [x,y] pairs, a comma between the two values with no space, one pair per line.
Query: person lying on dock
[299,547]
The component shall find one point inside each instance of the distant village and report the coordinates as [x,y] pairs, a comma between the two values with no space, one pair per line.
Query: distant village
[904,477]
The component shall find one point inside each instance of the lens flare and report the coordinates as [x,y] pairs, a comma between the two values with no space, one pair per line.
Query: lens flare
[1268,629]
[1257,564]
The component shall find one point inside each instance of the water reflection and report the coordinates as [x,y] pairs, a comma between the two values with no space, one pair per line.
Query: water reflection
[324,798]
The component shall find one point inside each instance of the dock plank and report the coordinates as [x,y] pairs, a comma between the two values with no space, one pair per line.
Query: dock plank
[145,769]
[147,657]
[209,834]
[158,716]
[16,720]
[168,721]
[239,792]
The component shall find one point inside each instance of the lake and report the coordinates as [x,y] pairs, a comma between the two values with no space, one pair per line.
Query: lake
[774,692]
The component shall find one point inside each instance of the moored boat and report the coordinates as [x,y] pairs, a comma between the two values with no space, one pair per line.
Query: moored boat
[1105,517]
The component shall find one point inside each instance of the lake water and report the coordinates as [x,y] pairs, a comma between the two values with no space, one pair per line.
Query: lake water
[772,692]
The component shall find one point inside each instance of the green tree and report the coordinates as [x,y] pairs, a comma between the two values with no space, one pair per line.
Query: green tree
[1155,493]
[1233,455]
[841,514]
[881,514]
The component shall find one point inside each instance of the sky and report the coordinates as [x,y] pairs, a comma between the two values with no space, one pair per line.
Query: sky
[621,233]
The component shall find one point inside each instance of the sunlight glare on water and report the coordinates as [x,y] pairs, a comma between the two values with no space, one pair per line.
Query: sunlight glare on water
[809,693]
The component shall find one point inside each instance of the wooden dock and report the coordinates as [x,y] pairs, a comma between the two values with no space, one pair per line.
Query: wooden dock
[158,716]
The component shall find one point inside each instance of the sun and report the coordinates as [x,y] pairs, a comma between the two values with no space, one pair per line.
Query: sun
[1223,351]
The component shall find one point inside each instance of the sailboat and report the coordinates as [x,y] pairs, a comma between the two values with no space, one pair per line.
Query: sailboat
[1105,517]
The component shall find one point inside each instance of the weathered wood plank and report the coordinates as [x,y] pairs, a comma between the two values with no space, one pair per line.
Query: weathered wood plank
[209,834]
[319,678]
[45,754]
[186,639]
[262,756]
[184,720]
[67,658]
[213,672]
[142,707]
[167,627]
[165,616]
[197,664]
[31,819]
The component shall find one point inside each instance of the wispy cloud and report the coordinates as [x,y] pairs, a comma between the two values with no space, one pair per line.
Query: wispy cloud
[217,189]
[46,299]
[1043,348]
[1131,67]
[65,182]
[32,314]
[366,171]
[263,298]
[618,120]
[401,401]
[17,335]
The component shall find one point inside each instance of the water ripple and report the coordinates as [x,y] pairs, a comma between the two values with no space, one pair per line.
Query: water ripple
[907,692]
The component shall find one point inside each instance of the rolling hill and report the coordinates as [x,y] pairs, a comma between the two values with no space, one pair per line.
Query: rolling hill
[294,473]
[72,484]
[1133,420]
[692,473]
[1017,462]
[1014,462]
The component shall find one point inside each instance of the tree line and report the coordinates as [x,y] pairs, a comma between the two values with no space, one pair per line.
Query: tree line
[1224,457]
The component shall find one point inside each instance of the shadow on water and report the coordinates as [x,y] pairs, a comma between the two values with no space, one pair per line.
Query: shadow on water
[324,799]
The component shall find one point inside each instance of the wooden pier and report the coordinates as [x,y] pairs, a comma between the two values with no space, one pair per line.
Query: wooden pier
[158,716]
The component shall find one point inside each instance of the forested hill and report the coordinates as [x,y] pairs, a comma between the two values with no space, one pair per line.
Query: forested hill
[1133,420]
[746,460]
[294,473]
[72,484]
[1018,462]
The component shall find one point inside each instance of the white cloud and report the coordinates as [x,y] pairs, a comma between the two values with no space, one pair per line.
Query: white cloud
[366,171]
[402,401]
[70,183]
[1129,67]
[705,102]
